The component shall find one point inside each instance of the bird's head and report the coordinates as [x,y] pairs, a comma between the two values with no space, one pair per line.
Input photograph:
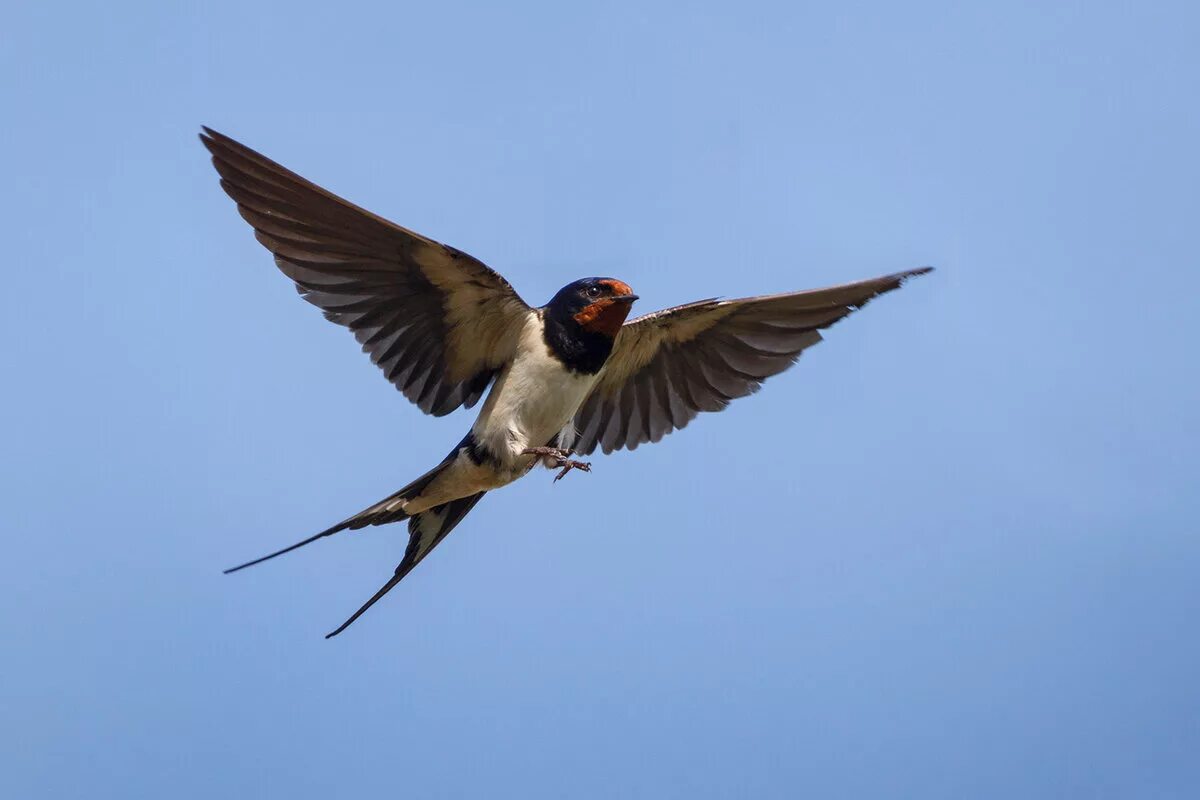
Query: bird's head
[596,305]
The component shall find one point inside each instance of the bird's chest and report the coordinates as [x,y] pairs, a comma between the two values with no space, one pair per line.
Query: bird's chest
[531,402]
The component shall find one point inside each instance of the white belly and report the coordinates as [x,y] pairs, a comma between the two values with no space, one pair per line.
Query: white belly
[532,401]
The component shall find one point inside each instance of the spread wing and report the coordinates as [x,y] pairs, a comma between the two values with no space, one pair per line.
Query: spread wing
[667,367]
[438,322]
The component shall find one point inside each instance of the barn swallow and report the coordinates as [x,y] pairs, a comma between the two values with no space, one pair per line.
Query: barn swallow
[565,378]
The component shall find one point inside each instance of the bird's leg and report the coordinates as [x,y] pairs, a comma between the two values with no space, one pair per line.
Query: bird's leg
[558,457]
[554,454]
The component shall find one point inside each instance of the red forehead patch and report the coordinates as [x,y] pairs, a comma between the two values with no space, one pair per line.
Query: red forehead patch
[617,286]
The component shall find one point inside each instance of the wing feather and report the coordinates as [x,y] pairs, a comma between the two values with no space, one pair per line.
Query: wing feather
[668,366]
[436,321]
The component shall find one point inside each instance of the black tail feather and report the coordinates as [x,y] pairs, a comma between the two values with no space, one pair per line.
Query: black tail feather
[386,510]
[341,526]
[426,530]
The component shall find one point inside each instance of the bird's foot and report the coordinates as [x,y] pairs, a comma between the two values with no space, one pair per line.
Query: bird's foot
[568,465]
[555,457]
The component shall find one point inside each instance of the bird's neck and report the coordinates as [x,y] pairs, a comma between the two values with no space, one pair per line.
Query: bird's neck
[579,349]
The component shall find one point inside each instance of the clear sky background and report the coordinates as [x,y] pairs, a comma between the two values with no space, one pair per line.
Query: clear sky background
[952,553]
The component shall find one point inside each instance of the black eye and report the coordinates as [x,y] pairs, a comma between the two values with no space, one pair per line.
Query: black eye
[593,291]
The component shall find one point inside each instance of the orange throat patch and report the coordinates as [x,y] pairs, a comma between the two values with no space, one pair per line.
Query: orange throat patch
[603,316]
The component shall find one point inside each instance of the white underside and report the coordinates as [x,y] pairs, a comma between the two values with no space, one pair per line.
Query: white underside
[532,401]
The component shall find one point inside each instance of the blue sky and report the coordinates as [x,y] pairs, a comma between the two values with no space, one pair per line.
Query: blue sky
[952,553]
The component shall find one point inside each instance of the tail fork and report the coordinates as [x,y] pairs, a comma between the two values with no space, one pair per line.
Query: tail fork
[425,531]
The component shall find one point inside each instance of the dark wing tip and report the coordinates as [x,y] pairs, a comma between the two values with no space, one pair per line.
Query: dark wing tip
[209,137]
[891,282]
[900,278]
[222,146]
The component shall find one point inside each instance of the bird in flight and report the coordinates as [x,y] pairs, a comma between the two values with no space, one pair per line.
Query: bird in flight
[565,378]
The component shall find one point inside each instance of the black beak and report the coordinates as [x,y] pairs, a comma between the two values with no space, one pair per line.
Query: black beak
[625,298]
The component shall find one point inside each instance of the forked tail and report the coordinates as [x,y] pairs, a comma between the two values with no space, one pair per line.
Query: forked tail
[426,530]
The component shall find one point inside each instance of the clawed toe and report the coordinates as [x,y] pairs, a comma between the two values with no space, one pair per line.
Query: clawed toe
[568,465]
[560,458]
